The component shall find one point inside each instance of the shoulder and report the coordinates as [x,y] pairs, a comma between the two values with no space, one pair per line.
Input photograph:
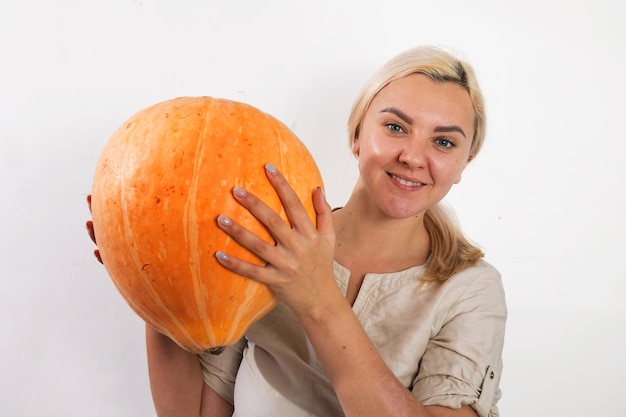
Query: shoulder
[482,268]
[481,272]
[479,286]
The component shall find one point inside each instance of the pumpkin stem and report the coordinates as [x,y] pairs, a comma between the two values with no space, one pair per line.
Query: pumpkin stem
[216,350]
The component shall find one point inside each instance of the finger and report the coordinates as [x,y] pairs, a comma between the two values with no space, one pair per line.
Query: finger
[296,213]
[324,215]
[247,239]
[273,222]
[96,253]
[244,269]
[90,231]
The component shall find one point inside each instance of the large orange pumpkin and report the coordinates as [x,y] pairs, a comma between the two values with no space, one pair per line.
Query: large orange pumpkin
[160,183]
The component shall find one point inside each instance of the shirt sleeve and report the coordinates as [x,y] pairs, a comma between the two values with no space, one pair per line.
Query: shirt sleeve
[219,371]
[463,361]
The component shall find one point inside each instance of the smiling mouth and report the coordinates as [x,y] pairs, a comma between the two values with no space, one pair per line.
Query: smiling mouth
[407,183]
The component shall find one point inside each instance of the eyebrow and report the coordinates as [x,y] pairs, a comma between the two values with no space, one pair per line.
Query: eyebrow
[402,115]
[406,118]
[446,129]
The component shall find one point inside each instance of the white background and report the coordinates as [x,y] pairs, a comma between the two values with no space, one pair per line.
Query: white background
[545,199]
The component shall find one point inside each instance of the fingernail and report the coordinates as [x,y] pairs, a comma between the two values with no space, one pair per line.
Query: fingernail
[224,220]
[271,168]
[221,256]
[240,192]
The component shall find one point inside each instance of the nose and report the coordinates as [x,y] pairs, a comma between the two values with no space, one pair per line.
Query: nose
[413,152]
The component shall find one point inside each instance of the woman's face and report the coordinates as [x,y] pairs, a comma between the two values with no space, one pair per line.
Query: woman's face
[414,143]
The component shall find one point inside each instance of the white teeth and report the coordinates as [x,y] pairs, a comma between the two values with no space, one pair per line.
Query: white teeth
[406,182]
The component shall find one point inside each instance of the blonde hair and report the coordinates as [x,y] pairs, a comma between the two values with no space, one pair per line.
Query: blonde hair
[451,252]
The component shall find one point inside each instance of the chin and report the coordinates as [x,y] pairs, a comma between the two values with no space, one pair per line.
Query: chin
[403,211]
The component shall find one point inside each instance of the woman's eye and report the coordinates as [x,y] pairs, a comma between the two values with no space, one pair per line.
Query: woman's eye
[445,143]
[394,127]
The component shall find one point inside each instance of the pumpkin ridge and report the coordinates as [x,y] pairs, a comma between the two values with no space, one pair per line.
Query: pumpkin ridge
[282,145]
[247,307]
[133,249]
[192,229]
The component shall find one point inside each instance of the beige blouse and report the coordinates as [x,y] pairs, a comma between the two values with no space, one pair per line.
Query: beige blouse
[442,340]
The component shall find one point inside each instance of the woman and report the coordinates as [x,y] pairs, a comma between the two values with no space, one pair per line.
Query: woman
[387,310]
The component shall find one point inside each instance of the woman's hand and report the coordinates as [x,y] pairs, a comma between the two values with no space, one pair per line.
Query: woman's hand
[299,266]
[176,381]
[91,232]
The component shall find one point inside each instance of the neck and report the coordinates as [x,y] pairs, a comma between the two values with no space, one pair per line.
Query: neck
[366,236]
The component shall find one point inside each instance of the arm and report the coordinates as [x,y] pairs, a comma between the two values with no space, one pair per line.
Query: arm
[300,271]
[176,381]
[175,375]
[349,358]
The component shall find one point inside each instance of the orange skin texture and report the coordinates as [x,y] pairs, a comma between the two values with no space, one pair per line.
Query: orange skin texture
[160,183]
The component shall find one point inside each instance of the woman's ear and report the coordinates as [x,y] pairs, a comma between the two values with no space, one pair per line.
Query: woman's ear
[469,159]
[356,147]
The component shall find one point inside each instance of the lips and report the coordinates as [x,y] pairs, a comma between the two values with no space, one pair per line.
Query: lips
[406,182]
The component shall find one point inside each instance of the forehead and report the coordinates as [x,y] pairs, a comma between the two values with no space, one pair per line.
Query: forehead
[416,93]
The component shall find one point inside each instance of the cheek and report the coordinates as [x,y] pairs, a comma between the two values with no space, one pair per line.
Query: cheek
[449,171]
[377,147]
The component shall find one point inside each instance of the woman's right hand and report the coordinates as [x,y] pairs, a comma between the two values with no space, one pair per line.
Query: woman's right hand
[91,232]
[176,381]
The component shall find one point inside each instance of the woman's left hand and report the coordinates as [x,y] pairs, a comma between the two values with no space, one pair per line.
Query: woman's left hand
[91,232]
[299,266]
